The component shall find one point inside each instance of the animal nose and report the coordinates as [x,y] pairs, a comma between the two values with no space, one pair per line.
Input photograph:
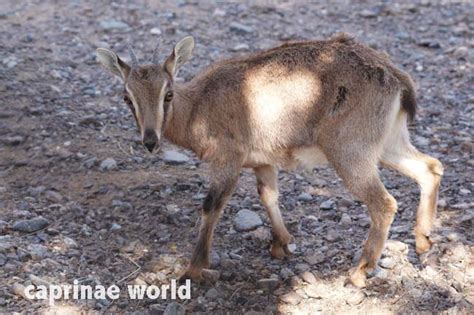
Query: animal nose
[150,140]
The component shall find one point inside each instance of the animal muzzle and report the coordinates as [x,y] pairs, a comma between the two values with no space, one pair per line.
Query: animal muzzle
[150,140]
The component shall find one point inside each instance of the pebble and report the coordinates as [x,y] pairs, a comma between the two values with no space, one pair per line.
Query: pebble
[356,298]
[174,157]
[174,309]
[37,251]
[31,225]
[54,196]
[247,220]
[313,291]
[155,31]
[345,220]
[269,285]
[304,196]
[327,205]
[240,47]
[333,236]
[212,293]
[115,227]
[396,246]
[3,225]
[240,28]
[461,52]
[314,259]
[13,140]
[113,25]
[387,263]
[211,275]
[367,13]
[291,298]
[308,277]
[6,242]
[108,164]
[453,237]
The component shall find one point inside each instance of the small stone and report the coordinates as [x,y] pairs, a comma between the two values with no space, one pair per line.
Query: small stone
[3,225]
[269,285]
[313,291]
[31,225]
[174,309]
[174,157]
[69,242]
[453,237]
[304,196]
[461,52]
[54,196]
[396,246]
[115,227]
[291,298]
[215,259]
[240,28]
[6,242]
[314,259]
[465,192]
[219,12]
[108,164]
[13,140]
[212,294]
[113,25]
[240,47]
[356,298]
[345,220]
[155,31]
[37,251]
[333,236]
[345,203]
[247,220]
[367,13]
[387,263]
[308,277]
[211,275]
[327,205]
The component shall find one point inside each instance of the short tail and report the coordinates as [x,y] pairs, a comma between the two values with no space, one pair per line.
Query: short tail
[408,97]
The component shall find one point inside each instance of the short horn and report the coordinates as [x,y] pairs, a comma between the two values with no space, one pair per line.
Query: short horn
[133,58]
[154,58]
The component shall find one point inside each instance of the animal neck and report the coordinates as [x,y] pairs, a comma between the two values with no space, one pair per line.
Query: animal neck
[177,124]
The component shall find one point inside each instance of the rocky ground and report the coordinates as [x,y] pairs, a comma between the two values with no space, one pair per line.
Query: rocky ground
[80,198]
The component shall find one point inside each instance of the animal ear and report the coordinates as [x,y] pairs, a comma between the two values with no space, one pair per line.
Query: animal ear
[113,63]
[181,53]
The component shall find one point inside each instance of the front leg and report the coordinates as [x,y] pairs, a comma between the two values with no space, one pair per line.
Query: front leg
[222,185]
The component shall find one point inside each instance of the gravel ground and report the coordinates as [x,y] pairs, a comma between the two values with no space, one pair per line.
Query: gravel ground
[98,208]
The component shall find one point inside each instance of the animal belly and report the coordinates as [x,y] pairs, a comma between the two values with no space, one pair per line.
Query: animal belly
[309,158]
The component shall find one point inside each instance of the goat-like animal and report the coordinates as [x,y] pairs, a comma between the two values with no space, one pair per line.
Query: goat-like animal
[302,103]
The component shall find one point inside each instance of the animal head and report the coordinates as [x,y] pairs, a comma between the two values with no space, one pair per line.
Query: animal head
[148,88]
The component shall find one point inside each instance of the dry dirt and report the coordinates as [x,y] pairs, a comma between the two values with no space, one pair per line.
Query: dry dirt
[61,116]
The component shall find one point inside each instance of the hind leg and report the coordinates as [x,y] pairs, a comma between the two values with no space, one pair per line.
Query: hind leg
[360,176]
[267,184]
[427,172]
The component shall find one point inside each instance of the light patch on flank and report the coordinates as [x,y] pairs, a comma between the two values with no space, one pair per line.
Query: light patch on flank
[273,92]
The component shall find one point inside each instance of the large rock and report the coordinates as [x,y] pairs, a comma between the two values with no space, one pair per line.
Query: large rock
[247,220]
[31,225]
[174,157]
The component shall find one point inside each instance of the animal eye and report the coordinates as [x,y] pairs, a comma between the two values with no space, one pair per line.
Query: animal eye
[168,96]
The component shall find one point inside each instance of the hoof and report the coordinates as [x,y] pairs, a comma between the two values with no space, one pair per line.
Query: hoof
[423,244]
[279,251]
[356,279]
[193,274]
